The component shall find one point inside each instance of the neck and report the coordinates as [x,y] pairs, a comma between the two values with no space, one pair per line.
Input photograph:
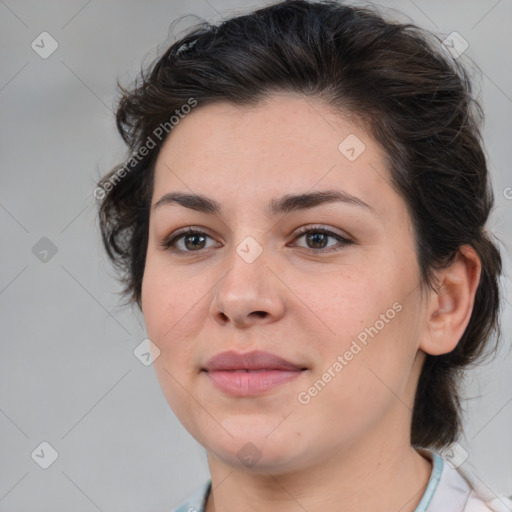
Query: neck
[384,476]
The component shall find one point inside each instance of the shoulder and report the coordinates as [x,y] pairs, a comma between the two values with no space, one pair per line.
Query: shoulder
[462,493]
[197,502]
[478,504]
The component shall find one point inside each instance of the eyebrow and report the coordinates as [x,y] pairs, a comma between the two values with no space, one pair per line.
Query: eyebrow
[285,204]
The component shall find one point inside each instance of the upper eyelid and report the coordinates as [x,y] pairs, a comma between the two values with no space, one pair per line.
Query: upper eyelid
[298,231]
[319,227]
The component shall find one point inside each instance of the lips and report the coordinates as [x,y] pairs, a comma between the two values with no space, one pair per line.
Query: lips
[256,360]
[251,373]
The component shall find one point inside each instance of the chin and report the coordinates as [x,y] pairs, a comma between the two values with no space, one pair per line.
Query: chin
[251,459]
[256,450]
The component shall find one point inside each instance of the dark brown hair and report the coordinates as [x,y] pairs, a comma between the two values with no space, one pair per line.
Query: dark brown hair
[412,97]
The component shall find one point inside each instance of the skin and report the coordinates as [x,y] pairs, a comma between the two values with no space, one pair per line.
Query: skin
[349,447]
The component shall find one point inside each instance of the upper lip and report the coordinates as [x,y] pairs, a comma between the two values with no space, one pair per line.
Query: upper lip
[255,360]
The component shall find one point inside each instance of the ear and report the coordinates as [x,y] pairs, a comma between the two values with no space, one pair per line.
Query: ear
[449,308]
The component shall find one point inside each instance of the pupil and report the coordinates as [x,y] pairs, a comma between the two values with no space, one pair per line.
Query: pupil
[189,237]
[315,238]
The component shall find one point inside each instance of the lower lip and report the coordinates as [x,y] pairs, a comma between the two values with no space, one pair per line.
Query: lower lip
[251,383]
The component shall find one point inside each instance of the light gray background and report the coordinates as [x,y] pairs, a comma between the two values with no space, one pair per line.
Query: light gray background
[68,374]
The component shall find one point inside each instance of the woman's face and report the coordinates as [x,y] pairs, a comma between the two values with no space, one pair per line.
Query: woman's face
[341,304]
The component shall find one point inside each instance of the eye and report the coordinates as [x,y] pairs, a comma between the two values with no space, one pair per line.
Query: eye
[318,237]
[193,241]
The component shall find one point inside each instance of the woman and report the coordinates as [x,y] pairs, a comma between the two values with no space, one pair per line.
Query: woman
[302,223]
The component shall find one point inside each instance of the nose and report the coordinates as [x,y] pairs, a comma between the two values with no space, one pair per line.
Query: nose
[248,294]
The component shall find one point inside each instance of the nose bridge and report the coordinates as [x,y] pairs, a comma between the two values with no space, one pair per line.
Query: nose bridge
[246,273]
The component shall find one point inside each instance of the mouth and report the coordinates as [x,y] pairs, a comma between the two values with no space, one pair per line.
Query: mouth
[251,373]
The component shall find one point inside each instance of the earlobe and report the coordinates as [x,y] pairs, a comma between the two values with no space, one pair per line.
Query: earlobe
[450,306]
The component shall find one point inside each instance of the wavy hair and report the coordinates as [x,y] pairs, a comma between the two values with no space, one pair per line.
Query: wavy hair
[397,80]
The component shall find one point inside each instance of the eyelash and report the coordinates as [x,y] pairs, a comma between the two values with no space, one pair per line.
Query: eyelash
[168,243]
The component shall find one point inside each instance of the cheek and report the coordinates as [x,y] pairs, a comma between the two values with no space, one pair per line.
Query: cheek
[166,310]
[167,300]
[165,315]
[372,340]
[354,394]
[344,305]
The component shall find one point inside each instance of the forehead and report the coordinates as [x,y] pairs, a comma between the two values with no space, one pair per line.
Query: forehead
[286,144]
